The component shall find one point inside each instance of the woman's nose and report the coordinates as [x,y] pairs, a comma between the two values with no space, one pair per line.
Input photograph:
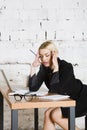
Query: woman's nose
[44,58]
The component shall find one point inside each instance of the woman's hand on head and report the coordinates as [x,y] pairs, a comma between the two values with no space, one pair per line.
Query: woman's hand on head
[55,65]
[36,62]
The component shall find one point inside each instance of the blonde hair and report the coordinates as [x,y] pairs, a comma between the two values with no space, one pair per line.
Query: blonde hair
[49,45]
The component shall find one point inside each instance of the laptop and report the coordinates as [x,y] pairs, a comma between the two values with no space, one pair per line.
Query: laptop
[15,90]
[22,91]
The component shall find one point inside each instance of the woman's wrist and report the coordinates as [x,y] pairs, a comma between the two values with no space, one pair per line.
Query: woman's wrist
[55,69]
[32,70]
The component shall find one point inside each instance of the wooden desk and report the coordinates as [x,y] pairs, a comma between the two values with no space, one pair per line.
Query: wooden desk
[36,103]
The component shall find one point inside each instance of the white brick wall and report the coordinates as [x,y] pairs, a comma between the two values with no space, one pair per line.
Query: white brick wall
[25,24]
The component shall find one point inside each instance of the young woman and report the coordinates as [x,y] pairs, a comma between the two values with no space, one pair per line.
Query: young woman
[59,78]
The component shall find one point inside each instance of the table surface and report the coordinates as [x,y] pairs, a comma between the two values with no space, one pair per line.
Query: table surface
[35,103]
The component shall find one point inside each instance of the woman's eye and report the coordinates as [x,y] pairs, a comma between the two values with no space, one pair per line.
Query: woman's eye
[47,55]
[40,57]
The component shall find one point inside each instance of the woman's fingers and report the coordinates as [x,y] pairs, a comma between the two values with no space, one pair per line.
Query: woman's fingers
[36,62]
[54,61]
[54,53]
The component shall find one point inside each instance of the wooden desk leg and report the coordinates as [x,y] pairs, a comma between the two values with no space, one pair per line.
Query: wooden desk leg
[14,119]
[35,118]
[71,124]
[1,112]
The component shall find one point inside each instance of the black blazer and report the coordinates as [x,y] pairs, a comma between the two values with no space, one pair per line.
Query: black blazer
[62,82]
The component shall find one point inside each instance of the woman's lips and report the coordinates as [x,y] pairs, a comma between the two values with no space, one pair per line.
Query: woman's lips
[45,63]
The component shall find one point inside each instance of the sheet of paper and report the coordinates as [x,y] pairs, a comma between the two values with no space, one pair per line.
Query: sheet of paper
[23,92]
[39,93]
[55,97]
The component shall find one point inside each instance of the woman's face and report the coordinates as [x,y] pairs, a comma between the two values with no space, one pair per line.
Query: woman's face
[45,57]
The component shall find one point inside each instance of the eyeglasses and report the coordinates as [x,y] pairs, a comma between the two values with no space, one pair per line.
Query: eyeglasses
[18,97]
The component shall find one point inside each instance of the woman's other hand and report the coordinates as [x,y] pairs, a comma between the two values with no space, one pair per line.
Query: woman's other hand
[55,65]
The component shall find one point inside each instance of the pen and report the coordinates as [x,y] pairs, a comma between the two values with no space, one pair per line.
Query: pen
[33,52]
